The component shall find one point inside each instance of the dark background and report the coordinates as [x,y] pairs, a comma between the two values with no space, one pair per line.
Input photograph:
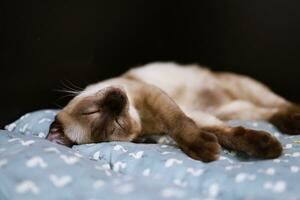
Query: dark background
[47,43]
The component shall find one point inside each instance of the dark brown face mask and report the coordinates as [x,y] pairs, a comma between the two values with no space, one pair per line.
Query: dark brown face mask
[56,135]
[111,105]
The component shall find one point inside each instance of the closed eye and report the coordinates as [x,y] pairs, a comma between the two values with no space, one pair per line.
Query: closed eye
[90,112]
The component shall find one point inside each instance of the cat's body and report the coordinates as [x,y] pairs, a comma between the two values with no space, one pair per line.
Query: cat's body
[197,89]
[189,103]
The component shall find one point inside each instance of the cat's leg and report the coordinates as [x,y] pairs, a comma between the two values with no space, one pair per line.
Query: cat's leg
[285,118]
[285,115]
[245,88]
[244,110]
[253,142]
[160,114]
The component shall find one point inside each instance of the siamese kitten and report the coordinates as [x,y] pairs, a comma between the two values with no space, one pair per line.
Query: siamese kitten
[188,103]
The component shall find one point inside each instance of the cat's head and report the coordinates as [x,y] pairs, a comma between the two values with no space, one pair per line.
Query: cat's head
[91,117]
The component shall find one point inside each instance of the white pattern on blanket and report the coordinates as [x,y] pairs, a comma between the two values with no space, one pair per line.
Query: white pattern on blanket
[31,166]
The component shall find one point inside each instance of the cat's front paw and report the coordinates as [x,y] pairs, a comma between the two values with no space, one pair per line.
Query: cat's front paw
[204,147]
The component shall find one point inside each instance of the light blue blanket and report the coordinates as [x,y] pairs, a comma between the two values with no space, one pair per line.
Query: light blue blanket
[34,168]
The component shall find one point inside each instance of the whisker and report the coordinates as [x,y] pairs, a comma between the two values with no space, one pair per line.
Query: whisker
[62,97]
[74,86]
[116,120]
[74,93]
[69,88]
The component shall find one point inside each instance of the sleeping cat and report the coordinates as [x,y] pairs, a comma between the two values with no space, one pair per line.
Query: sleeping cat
[189,103]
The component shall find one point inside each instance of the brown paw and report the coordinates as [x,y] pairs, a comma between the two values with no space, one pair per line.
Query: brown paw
[204,147]
[288,120]
[258,143]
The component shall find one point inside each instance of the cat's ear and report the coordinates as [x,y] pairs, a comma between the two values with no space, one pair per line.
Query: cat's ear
[56,135]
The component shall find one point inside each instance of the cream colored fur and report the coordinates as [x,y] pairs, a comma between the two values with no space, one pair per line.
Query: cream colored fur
[188,102]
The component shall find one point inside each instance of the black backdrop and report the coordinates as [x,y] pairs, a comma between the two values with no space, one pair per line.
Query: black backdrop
[47,43]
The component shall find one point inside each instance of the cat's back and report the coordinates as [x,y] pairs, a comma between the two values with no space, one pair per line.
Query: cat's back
[184,83]
[165,75]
